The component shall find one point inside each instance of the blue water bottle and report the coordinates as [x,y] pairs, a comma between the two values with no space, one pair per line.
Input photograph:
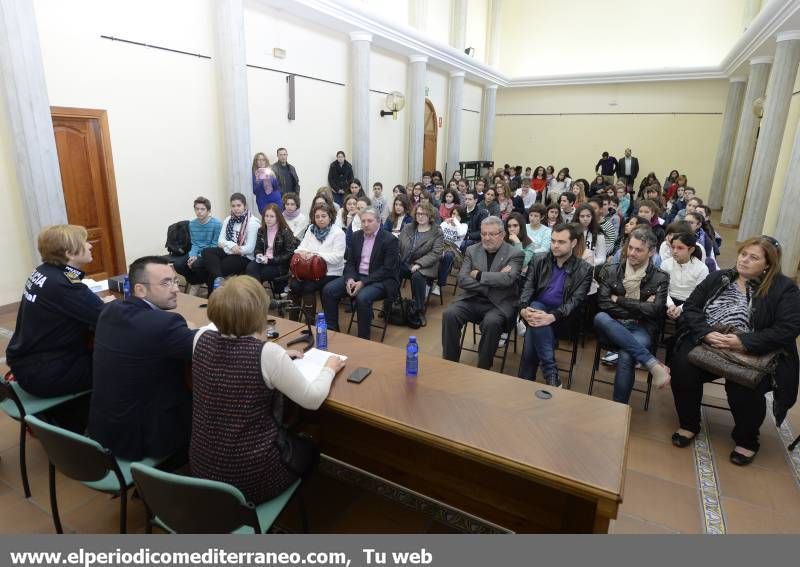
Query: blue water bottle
[322,332]
[126,288]
[412,357]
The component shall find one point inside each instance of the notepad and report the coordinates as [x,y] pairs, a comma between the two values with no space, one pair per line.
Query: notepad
[313,361]
[95,286]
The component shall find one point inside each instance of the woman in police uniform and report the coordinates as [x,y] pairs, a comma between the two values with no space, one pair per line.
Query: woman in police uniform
[49,353]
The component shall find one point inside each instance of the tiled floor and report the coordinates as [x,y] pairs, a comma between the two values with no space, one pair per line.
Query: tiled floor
[662,493]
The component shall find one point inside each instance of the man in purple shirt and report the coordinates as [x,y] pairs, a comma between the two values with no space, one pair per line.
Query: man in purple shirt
[556,285]
[370,273]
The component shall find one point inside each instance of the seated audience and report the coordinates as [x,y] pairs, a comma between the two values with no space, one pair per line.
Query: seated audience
[555,287]
[504,200]
[579,188]
[49,353]
[632,298]
[140,404]
[237,381]
[266,187]
[488,296]
[595,242]
[454,232]
[567,204]
[399,216]
[379,201]
[237,240]
[421,247]
[685,269]
[556,186]
[325,196]
[624,199]
[539,183]
[473,217]
[348,212]
[204,232]
[650,210]
[355,189]
[323,239]
[295,220]
[695,221]
[538,232]
[752,309]
[597,187]
[553,216]
[450,200]
[665,250]
[607,221]
[489,203]
[517,236]
[370,273]
[275,245]
[691,204]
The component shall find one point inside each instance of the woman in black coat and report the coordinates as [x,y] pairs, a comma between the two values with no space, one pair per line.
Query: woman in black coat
[340,176]
[763,306]
[275,244]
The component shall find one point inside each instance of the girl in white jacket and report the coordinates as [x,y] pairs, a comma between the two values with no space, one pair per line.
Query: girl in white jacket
[686,270]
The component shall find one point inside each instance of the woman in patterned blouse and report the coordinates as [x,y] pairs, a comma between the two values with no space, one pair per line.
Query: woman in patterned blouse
[755,309]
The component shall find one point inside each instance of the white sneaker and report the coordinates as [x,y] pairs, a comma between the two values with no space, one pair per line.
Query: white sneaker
[427,290]
[503,339]
[435,290]
[521,328]
[194,289]
[610,358]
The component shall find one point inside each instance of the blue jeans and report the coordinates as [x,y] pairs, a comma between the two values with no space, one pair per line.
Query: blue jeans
[366,296]
[445,264]
[539,348]
[632,342]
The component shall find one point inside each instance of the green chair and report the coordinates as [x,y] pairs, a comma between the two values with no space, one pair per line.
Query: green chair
[186,504]
[84,460]
[18,404]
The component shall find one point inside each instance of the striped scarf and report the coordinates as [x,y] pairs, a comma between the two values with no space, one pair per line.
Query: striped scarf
[232,220]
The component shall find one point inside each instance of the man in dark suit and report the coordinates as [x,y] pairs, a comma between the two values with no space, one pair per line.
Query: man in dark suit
[370,273]
[488,282]
[628,167]
[140,406]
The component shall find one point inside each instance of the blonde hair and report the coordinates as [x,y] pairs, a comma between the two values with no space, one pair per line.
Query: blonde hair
[772,253]
[239,307]
[58,241]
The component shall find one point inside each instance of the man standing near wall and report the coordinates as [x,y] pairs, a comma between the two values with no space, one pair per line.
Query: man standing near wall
[628,167]
[607,167]
[286,173]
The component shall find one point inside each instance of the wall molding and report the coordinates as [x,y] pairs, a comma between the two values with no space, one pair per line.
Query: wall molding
[347,16]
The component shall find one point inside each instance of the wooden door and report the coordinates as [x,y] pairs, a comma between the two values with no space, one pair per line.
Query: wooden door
[431,133]
[87,175]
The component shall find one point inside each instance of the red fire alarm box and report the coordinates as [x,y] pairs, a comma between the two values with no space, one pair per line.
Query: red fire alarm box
[440,122]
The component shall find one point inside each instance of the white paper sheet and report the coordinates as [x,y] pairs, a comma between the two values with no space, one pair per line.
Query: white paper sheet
[313,361]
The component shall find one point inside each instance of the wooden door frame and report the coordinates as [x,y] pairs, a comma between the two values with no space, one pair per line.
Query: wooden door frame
[119,262]
[429,104]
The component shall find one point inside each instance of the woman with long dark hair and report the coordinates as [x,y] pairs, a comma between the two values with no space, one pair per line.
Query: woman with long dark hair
[275,244]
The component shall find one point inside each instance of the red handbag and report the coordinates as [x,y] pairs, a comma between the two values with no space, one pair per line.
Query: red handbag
[312,268]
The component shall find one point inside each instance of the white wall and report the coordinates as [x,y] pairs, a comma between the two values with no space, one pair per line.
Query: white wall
[553,37]
[477,17]
[437,20]
[673,125]
[471,122]
[322,120]
[162,107]
[388,138]
[438,85]
[17,263]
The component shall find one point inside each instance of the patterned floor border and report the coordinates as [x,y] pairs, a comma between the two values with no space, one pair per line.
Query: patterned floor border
[787,436]
[438,511]
[713,517]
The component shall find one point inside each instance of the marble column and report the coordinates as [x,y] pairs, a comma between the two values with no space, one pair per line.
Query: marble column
[739,171]
[416,115]
[360,44]
[786,230]
[776,110]
[730,121]
[231,64]
[487,117]
[454,104]
[458,31]
[31,127]
[494,32]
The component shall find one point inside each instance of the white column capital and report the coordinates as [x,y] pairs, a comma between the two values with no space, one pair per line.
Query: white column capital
[418,58]
[738,79]
[787,35]
[454,74]
[360,36]
[761,60]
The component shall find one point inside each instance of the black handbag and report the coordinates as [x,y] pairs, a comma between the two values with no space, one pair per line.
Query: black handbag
[297,451]
[413,319]
[397,312]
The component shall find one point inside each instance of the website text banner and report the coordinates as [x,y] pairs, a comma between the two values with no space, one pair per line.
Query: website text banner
[392,550]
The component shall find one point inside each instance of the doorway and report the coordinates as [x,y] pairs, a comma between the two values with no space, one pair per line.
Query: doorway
[83,143]
[431,134]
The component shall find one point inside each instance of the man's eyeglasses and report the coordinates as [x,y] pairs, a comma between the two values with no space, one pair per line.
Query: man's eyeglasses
[490,234]
[166,284]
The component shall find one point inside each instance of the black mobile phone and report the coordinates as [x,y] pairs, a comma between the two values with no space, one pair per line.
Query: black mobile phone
[203,305]
[358,375]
